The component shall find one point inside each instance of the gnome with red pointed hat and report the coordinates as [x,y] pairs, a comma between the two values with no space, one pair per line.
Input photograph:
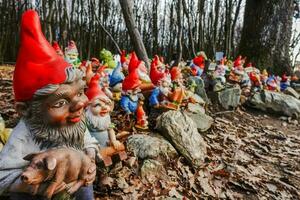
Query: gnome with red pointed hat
[49,96]
[197,66]
[71,54]
[142,71]
[98,115]
[162,95]
[132,97]
[284,83]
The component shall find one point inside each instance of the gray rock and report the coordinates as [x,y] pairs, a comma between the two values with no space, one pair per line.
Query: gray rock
[276,102]
[229,98]
[182,132]
[202,121]
[153,169]
[200,88]
[146,146]
[195,108]
[292,92]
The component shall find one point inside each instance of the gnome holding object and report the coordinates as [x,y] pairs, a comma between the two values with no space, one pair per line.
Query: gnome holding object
[161,96]
[132,99]
[284,83]
[71,54]
[142,71]
[198,64]
[57,49]
[98,115]
[51,103]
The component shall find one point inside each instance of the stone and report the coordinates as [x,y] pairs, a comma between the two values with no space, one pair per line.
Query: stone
[292,92]
[148,146]
[276,102]
[195,108]
[182,132]
[200,88]
[229,98]
[202,121]
[153,169]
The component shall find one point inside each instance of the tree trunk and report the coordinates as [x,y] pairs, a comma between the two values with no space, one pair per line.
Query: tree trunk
[267,33]
[135,36]
[179,18]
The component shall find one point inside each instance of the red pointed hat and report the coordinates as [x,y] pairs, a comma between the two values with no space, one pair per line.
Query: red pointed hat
[123,56]
[94,89]
[249,64]
[155,74]
[199,61]
[133,63]
[175,73]
[37,64]
[238,61]
[131,81]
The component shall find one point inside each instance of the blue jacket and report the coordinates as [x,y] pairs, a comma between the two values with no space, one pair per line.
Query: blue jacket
[153,99]
[128,105]
[117,76]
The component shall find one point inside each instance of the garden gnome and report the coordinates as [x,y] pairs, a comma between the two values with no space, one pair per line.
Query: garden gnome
[284,83]
[178,89]
[160,96]
[115,81]
[124,61]
[108,60]
[57,49]
[132,97]
[272,84]
[264,77]
[219,75]
[104,81]
[255,81]
[198,64]
[51,104]
[142,71]
[71,54]
[98,115]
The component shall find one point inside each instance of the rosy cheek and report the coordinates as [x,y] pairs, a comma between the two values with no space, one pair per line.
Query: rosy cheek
[57,117]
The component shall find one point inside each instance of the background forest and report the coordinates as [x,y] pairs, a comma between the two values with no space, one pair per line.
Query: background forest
[167,28]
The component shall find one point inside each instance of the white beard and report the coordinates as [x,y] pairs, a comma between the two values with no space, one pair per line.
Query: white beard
[97,122]
[143,76]
[164,90]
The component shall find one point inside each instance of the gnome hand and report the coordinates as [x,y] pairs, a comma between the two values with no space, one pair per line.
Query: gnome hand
[117,145]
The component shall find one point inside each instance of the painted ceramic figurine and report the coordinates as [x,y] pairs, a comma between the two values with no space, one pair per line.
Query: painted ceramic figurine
[115,81]
[219,75]
[108,60]
[132,98]
[284,83]
[272,84]
[57,49]
[198,64]
[51,104]
[161,96]
[71,54]
[142,71]
[99,123]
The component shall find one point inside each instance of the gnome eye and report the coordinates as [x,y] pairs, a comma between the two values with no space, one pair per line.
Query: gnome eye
[60,104]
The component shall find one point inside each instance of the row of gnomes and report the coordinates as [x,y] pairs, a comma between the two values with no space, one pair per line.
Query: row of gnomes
[249,77]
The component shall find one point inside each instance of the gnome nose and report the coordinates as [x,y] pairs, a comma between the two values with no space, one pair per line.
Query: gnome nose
[77,106]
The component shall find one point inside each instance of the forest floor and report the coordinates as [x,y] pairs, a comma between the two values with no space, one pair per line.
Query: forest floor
[251,155]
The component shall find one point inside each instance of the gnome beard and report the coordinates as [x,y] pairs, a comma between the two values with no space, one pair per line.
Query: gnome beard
[98,123]
[50,136]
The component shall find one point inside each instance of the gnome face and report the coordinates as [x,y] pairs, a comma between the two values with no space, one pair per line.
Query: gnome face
[65,106]
[101,106]
[164,86]
[133,94]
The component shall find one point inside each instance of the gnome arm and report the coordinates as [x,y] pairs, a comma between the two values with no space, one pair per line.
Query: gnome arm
[125,104]
[90,145]
[153,99]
